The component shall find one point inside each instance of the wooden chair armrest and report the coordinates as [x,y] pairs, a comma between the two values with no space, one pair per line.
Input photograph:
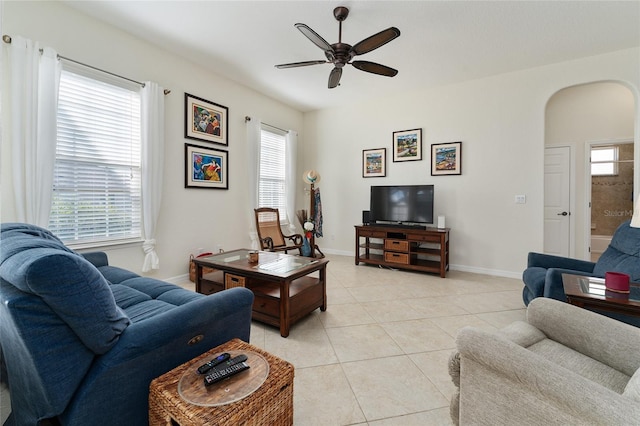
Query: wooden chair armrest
[296,239]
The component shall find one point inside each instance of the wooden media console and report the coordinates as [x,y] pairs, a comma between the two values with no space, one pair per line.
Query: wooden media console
[424,250]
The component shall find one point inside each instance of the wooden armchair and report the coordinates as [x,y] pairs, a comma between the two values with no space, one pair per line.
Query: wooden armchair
[270,234]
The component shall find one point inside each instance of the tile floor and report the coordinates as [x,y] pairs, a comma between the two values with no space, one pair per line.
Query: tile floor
[378,355]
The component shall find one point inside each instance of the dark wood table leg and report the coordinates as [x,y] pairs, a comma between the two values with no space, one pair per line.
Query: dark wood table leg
[285,309]
[323,282]
[198,278]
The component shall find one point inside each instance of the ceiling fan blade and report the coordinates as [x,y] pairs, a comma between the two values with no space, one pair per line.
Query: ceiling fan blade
[374,68]
[300,64]
[314,37]
[375,41]
[334,77]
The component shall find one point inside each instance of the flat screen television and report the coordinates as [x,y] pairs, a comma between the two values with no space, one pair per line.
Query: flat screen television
[401,204]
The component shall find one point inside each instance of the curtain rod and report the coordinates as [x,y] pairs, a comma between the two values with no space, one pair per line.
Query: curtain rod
[7,39]
[247,119]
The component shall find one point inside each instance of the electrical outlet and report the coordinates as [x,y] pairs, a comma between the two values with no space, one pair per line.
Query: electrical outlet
[521,199]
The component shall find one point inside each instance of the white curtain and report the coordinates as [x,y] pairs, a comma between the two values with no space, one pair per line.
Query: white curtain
[253,165]
[291,144]
[152,118]
[34,82]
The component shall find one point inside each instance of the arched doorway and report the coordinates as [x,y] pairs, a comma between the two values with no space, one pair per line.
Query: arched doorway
[577,118]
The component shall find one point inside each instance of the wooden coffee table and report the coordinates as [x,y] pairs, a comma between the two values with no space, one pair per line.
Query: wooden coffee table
[590,292]
[284,292]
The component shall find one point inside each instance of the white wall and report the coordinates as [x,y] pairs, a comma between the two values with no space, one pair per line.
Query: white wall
[501,123]
[581,114]
[500,120]
[190,218]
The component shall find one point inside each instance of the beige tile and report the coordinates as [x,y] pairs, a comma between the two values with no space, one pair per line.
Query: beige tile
[345,315]
[257,334]
[490,302]
[503,318]
[435,365]
[437,417]
[303,348]
[324,397]
[430,307]
[362,342]
[391,310]
[452,325]
[339,296]
[393,386]
[419,336]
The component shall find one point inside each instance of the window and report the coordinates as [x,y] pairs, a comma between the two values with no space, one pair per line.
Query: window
[604,161]
[271,176]
[97,187]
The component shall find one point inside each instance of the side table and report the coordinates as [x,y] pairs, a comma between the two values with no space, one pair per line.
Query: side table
[591,293]
[271,403]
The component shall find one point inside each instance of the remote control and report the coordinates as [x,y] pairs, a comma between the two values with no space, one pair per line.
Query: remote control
[209,365]
[219,375]
[230,362]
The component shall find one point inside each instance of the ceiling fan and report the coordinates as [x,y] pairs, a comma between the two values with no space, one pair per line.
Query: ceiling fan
[340,54]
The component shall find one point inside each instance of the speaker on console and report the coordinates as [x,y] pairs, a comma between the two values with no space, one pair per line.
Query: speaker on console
[366,217]
[441,222]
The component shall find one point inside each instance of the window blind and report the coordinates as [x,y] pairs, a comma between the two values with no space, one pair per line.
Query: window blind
[604,161]
[271,186]
[97,183]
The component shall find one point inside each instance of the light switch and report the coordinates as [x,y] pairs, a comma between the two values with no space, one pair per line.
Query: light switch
[521,199]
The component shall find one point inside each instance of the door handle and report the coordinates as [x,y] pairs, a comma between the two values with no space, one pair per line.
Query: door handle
[563,214]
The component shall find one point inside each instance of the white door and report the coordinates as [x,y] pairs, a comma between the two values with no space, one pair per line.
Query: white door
[557,191]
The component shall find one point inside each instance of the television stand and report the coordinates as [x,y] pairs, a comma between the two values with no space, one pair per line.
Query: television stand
[423,250]
[400,225]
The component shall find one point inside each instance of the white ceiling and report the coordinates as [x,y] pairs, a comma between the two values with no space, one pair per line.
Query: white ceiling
[441,42]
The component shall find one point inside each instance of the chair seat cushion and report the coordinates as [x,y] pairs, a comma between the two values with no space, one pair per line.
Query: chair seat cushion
[142,298]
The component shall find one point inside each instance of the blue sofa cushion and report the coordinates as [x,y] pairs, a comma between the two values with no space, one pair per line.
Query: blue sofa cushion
[623,253]
[37,264]
[535,277]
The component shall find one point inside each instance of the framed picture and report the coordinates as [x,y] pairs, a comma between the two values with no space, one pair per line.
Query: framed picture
[407,145]
[206,167]
[205,121]
[374,162]
[446,159]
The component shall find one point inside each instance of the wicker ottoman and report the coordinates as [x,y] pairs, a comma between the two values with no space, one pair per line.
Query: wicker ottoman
[270,404]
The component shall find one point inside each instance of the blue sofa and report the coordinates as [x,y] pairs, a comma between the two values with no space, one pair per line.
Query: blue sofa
[81,340]
[543,276]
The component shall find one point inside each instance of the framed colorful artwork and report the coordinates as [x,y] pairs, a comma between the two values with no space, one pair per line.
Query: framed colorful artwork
[446,159]
[206,167]
[374,162]
[205,120]
[407,145]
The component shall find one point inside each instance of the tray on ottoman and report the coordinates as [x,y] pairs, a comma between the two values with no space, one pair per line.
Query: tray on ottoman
[271,403]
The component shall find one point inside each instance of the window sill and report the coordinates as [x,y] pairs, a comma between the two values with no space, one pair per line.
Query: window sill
[98,245]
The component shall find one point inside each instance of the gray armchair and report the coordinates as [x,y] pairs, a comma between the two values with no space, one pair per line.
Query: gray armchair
[564,365]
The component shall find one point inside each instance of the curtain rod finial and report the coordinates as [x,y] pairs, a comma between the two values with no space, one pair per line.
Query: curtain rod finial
[6,39]
[247,118]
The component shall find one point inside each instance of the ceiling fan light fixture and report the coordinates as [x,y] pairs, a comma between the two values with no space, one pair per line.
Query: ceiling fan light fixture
[341,54]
